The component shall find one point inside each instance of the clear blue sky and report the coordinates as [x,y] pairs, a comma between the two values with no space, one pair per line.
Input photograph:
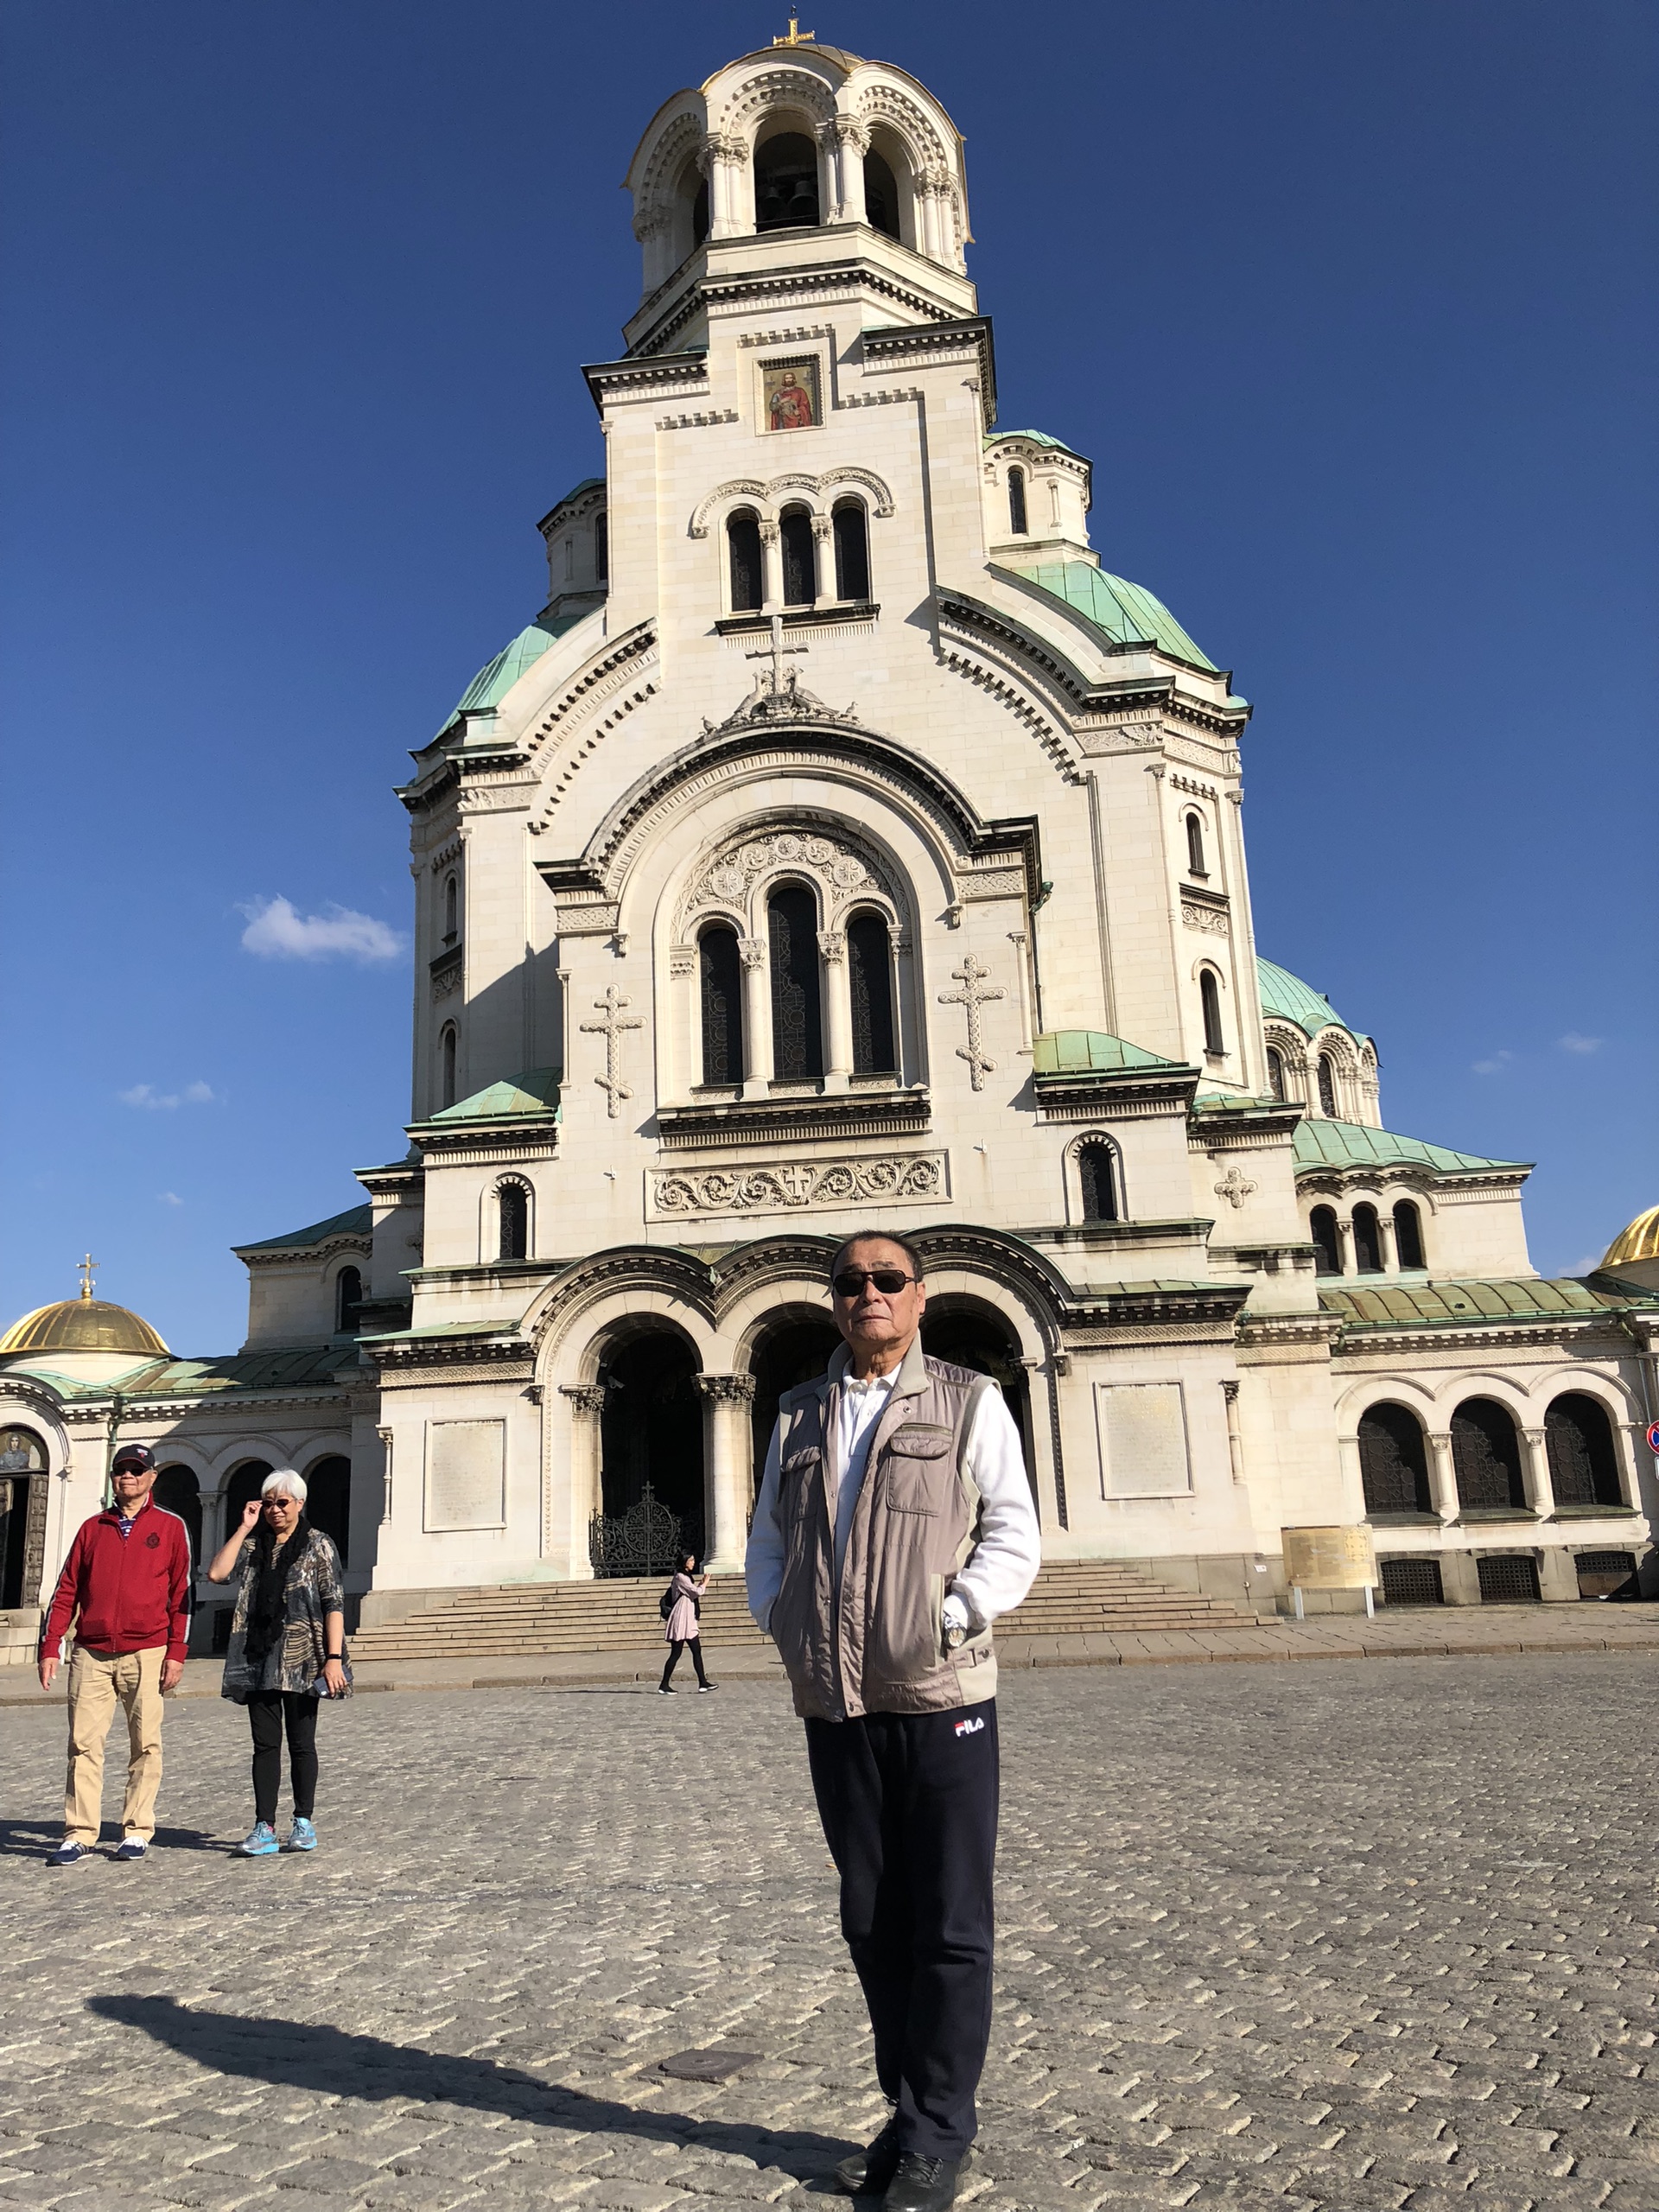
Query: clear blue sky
[1351,306]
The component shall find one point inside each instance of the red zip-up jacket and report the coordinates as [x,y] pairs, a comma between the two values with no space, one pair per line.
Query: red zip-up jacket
[133,1592]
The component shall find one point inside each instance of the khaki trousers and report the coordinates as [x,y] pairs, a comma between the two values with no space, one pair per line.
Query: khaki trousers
[97,1681]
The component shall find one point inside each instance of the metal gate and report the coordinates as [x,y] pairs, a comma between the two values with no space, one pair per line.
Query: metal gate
[1412,1581]
[1511,1581]
[645,1540]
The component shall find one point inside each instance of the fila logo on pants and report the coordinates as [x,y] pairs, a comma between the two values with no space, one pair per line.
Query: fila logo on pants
[970,1727]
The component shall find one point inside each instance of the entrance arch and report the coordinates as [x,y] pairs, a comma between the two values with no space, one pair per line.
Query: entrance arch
[965,1333]
[650,1430]
[793,1347]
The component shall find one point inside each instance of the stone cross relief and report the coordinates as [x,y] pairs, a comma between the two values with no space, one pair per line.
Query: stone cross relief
[777,652]
[972,996]
[1235,1188]
[611,1029]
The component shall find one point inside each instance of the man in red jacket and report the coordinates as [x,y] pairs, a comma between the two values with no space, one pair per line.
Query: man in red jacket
[126,1585]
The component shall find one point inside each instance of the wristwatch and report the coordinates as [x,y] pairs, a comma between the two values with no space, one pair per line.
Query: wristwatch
[955,1635]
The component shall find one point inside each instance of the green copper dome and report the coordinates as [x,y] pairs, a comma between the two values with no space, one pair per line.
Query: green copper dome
[1292,1000]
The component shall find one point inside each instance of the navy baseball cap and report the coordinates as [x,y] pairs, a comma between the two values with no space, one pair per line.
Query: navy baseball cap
[134,1455]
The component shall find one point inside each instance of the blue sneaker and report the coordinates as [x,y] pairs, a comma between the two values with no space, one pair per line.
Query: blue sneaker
[132,1847]
[302,1836]
[260,1841]
[68,1854]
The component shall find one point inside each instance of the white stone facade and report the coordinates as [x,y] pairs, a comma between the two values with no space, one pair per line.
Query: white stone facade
[855,693]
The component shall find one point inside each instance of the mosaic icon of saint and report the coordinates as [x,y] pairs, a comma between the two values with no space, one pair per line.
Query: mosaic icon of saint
[791,404]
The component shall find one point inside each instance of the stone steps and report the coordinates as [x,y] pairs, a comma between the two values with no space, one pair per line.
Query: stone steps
[521,1620]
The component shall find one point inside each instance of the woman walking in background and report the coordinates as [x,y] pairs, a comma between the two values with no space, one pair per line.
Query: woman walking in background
[287,1649]
[683,1625]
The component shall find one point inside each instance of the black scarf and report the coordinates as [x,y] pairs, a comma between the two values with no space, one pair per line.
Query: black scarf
[268,1600]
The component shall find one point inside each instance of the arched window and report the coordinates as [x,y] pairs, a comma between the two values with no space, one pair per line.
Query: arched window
[451,910]
[1276,1074]
[800,557]
[797,1015]
[348,1302]
[512,1209]
[1327,1077]
[786,183]
[1209,999]
[699,212]
[882,197]
[747,570]
[1486,1454]
[1367,1241]
[1195,846]
[1017,502]
[1322,1228]
[720,974]
[1393,1465]
[244,1485]
[602,546]
[1408,1235]
[447,1064]
[1097,1182]
[328,1501]
[852,551]
[869,977]
[1583,1463]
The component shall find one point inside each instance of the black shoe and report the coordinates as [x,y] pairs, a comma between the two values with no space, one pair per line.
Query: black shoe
[867,2172]
[922,2184]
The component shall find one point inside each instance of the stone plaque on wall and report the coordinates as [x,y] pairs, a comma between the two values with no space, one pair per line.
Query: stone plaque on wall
[1143,1432]
[466,1474]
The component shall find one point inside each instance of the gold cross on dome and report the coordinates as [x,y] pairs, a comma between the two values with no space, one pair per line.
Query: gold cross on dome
[796,36]
[87,1269]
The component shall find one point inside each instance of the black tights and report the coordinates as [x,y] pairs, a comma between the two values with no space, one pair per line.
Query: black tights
[695,1647]
[268,1711]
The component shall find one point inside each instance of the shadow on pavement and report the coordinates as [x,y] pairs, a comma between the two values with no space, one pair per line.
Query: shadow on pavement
[34,1838]
[297,2055]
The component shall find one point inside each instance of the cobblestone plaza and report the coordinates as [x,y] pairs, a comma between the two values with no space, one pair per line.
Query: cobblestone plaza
[1342,1936]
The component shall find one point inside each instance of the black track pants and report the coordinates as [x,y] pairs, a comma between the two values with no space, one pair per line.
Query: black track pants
[268,1711]
[908,1802]
[695,1647]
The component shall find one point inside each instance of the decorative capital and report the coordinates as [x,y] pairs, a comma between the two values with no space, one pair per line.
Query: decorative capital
[822,529]
[586,1399]
[844,131]
[722,146]
[770,533]
[729,1389]
[1230,1391]
[832,945]
[752,951]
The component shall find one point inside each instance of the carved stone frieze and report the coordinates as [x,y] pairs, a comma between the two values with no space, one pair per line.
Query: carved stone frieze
[841,870]
[1211,920]
[730,1389]
[797,1186]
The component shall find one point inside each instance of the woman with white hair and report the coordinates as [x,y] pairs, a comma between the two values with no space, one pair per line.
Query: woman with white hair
[287,1649]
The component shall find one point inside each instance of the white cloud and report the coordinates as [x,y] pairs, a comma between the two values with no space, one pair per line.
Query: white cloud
[1586,1266]
[145,1094]
[168,1198]
[275,931]
[1494,1065]
[1573,1043]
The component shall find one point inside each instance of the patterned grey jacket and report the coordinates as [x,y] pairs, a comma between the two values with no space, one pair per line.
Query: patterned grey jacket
[295,1662]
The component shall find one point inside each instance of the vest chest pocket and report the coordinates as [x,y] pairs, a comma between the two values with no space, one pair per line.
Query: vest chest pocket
[800,1480]
[917,1467]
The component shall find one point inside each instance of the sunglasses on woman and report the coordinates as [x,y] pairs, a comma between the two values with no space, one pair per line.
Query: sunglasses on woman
[850,1282]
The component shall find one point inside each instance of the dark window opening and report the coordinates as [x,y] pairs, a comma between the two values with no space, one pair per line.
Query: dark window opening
[1209,999]
[178,1491]
[852,552]
[869,977]
[1486,1454]
[1327,1074]
[1017,502]
[512,1205]
[786,183]
[348,1302]
[796,1017]
[1393,1463]
[800,557]
[1322,1228]
[1098,1181]
[602,546]
[1583,1462]
[1195,846]
[748,572]
[1508,1581]
[447,1064]
[451,911]
[1408,1235]
[882,197]
[700,214]
[1367,1241]
[721,970]
[1276,1074]
[329,1502]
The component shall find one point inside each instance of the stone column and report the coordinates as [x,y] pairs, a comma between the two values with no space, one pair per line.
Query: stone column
[727,1480]
[771,563]
[1346,1243]
[1385,1243]
[933,185]
[722,159]
[386,1437]
[1535,1474]
[1442,1476]
[838,1011]
[1235,1433]
[587,1404]
[757,1016]
[824,560]
[845,143]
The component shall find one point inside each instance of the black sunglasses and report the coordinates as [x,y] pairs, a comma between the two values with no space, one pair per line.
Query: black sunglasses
[850,1282]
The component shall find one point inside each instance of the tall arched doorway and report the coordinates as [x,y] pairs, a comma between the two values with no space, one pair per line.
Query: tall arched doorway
[792,1349]
[651,1433]
[22,1515]
[964,1333]
[329,1502]
[244,1485]
[178,1491]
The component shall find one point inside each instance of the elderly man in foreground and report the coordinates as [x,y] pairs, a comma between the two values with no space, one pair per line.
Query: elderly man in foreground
[894,1523]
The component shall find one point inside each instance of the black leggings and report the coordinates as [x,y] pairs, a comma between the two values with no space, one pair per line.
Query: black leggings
[267,1710]
[695,1647]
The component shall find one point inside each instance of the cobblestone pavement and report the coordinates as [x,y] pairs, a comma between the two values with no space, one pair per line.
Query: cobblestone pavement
[1336,1936]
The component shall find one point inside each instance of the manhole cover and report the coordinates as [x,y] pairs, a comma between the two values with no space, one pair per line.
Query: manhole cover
[711,2065]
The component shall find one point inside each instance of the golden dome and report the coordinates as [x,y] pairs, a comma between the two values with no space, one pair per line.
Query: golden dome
[82,1325]
[1639,1242]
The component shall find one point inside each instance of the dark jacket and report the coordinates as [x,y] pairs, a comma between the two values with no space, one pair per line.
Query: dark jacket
[131,1592]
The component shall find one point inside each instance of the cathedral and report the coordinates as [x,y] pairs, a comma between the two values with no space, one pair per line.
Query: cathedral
[842,844]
